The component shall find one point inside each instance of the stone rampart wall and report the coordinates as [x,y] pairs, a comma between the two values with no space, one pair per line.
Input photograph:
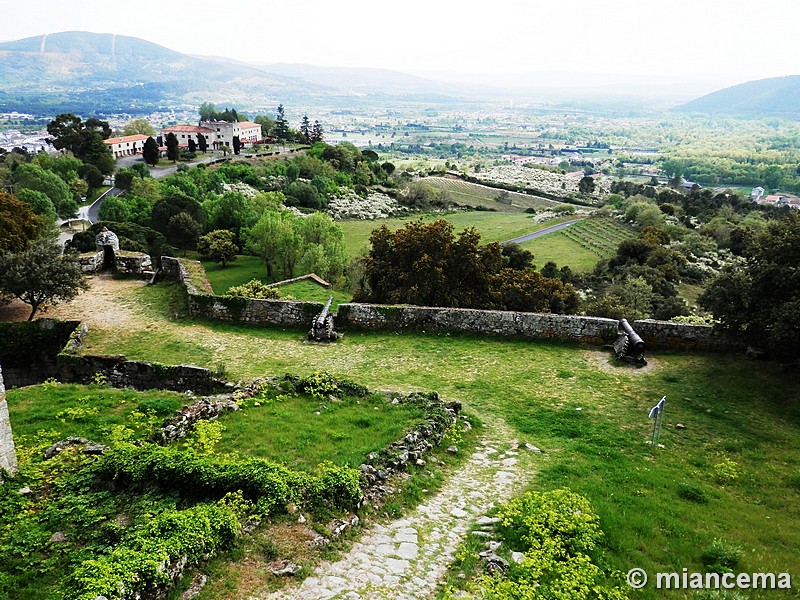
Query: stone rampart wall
[8,456]
[591,330]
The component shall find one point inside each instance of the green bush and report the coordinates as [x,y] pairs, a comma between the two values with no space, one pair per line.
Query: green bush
[254,289]
[692,493]
[721,556]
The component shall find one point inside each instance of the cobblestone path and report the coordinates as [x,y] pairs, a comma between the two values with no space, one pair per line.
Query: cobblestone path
[405,559]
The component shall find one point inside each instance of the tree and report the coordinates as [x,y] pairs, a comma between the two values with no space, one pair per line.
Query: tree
[19,226]
[225,149]
[586,185]
[758,299]
[316,133]
[267,125]
[202,143]
[237,145]
[84,140]
[41,275]
[207,111]
[184,230]
[138,126]
[305,129]
[219,246]
[173,151]
[192,145]
[150,152]
[173,203]
[281,128]
[38,202]
[33,177]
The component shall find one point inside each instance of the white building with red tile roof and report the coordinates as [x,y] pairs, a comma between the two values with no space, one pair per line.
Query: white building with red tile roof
[186,132]
[126,145]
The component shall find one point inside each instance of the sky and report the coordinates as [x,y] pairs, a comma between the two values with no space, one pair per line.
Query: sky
[725,41]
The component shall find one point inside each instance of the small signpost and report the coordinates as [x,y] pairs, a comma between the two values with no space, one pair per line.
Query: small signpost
[657,414]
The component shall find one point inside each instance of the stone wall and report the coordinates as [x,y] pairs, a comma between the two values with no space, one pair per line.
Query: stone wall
[28,350]
[8,455]
[591,330]
[203,303]
[594,330]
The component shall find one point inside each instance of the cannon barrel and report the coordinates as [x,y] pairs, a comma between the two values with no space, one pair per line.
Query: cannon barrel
[324,314]
[635,342]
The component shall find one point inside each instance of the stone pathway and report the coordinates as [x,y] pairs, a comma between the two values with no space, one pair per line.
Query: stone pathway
[405,559]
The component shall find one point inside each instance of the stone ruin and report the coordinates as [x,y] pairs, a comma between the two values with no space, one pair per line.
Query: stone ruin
[109,256]
[8,455]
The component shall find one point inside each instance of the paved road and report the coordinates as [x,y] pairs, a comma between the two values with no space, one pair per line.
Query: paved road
[532,236]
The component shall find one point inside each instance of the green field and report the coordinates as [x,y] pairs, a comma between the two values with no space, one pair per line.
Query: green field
[313,292]
[475,195]
[581,245]
[493,226]
[733,473]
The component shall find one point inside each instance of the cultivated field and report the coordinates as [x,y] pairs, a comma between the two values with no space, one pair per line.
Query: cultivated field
[475,195]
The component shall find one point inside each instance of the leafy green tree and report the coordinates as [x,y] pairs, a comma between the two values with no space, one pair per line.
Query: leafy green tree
[38,202]
[184,230]
[586,185]
[41,275]
[19,226]
[92,176]
[84,140]
[219,246]
[207,111]
[173,203]
[267,125]
[114,208]
[758,299]
[150,152]
[173,151]
[34,177]
[138,126]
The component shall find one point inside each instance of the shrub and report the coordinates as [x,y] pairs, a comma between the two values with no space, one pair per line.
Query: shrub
[721,556]
[692,493]
[254,289]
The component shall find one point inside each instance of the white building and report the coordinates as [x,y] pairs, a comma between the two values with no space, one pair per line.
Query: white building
[126,145]
[217,133]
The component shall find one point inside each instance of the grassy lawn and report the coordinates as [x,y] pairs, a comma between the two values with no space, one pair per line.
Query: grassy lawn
[301,432]
[236,272]
[52,412]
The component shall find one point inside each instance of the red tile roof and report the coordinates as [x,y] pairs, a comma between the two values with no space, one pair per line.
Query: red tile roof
[187,129]
[126,138]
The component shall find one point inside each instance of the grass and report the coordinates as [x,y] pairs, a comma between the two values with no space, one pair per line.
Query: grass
[314,292]
[493,226]
[301,432]
[475,195]
[50,412]
[748,413]
[236,272]
[581,245]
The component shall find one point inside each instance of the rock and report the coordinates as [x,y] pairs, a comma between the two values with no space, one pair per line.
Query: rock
[301,519]
[198,583]
[452,449]
[283,567]
[250,526]
[24,491]
[58,537]
[420,462]
[487,520]
[319,540]
[493,545]
[517,557]
[680,426]
[95,449]
[532,448]
[496,565]
[467,426]
[338,526]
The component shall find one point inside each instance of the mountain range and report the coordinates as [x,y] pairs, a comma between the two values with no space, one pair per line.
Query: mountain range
[97,73]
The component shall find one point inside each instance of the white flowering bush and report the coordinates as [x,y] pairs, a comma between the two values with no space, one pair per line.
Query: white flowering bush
[248,191]
[539,180]
[349,205]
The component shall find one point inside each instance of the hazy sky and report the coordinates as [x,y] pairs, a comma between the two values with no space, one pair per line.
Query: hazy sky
[731,40]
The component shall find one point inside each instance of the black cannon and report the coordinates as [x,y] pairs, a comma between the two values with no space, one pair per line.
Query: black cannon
[629,346]
[322,327]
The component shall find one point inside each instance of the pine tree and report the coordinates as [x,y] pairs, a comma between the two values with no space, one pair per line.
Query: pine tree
[305,129]
[316,133]
[173,152]
[281,127]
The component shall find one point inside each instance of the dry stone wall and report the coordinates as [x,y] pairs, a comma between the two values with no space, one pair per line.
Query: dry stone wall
[591,330]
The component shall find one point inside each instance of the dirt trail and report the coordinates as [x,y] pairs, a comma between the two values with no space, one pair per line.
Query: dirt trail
[104,306]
